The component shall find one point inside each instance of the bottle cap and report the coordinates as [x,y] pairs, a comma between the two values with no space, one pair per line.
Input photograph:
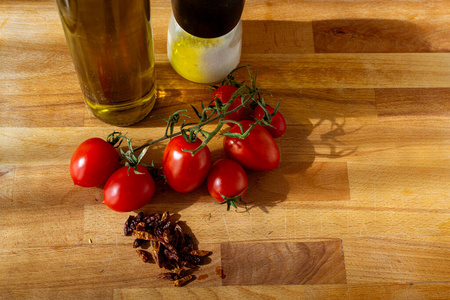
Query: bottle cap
[207,18]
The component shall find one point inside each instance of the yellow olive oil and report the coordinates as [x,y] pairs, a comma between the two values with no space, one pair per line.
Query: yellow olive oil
[187,56]
[111,44]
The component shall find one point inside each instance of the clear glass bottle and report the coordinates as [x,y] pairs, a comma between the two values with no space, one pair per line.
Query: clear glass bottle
[205,38]
[111,44]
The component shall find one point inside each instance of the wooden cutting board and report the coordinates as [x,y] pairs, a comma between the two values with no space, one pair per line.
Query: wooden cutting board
[359,207]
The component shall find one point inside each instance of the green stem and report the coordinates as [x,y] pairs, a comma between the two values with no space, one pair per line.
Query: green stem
[209,136]
[200,125]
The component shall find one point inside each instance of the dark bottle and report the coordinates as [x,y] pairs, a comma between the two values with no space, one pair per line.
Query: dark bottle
[205,38]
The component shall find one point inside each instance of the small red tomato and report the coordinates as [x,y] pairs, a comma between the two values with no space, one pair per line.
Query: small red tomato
[224,93]
[126,191]
[258,151]
[228,179]
[93,162]
[278,122]
[185,172]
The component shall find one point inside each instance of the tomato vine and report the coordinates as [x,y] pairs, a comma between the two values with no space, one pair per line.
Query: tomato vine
[216,110]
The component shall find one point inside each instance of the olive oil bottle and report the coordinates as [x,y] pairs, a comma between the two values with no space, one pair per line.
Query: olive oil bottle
[111,44]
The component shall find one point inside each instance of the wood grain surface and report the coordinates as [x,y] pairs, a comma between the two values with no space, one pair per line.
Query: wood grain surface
[358,208]
[283,263]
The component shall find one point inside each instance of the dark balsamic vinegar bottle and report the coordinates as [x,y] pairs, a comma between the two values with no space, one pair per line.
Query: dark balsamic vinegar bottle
[205,38]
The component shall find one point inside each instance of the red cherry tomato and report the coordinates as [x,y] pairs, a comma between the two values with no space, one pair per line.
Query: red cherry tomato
[93,162]
[278,122]
[258,151]
[224,93]
[126,191]
[184,172]
[226,178]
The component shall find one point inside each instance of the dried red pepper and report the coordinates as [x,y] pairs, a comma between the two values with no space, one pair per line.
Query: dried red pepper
[170,248]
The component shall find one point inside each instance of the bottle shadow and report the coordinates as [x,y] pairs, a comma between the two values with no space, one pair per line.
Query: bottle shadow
[368,35]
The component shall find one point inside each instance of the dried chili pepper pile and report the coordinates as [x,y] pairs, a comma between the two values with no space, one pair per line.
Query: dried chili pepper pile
[169,247]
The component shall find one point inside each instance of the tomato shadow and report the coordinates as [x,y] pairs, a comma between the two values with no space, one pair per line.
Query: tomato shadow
[314,131]
[266,190]
[313,149]
[330,145]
